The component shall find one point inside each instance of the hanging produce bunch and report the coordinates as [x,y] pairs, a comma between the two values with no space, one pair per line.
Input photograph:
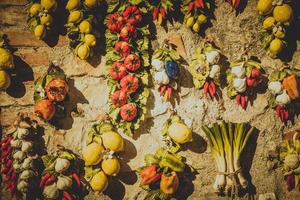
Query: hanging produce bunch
[196,13]
[6,62]
[19,159]
[243,77]
[50,93]
[205,69]
[100,157]
[40,16]
[60,179]
[227,142]
[290,161]
[127,40]
[166,63]
[284,85]
[161,10]
[176,132]
[82,27]
[277,16]
[162,174]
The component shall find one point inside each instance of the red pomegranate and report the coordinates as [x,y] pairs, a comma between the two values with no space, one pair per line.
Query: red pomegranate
[57,89]
[132,62]
[119,98]
[132,14]
[45,109]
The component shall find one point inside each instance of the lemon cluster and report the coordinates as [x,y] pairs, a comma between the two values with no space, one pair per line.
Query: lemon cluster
[195,22]
[99,157]
[80,27]
[6,63]
[41,17]
[277,16]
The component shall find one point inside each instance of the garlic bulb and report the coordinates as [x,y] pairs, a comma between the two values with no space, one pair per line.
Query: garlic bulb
[51,191]
[215,69]
[22,186]
[19,155]
[22,133]
[64,182]
[275,87]
[27,163]
[161,78]
[61,165]
[283,98]
[17,167]
[212,57]
[157,64]
[239,84]
[26,174]
[239,71]
[16,143]
[26,146]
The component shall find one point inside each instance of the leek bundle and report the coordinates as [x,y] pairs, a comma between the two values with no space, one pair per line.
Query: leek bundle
[227,142]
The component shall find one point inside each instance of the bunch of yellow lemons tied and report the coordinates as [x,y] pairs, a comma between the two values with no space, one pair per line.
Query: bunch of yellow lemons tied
[6,62]
[99,154]
[278,15]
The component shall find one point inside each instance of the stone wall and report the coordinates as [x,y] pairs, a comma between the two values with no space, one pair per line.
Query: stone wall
[89,95]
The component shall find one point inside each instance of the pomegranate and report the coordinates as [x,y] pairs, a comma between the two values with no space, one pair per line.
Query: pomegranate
[132,62]
[122,48]
[128,112]
[115,22]
[132,15]
[56,90]
[128,31]
[45,109]
[119,98]
[129,83]
[117,70]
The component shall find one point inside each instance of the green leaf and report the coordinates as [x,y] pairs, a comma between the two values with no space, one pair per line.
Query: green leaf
[174,55]
[88,173]
[114,113]
[66,155]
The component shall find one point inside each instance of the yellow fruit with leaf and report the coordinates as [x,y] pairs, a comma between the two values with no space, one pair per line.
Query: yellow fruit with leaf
[276,46]
[6,59]
[90,40]
[113,141]
[75,16]
[111,166]
[49,4]
[73,4]
[269,23]
[91,3]
[40,31]
[4,80]
[85,27]
[35,9]
[99,182]
[46,19]
[83,51]
[264,6]
[190,22]
[283,13]
[92,154]
[201,19]
[196,27]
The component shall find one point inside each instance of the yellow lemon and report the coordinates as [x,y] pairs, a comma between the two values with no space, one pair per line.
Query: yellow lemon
[111,166]
[180,133]
[73,5]
[90,40]
[35,9]
[113,141]
[83,51]
[99,182]
[49,4]
[280,34]
[264,6]
[6,59]
[283,13]
[196,27]
[40,31]
[91,3]
[46,19]
[276,46]
[268,23]
[201,19]
[92,154]
[4,80]
[75,16]
[190,22]
[85,27]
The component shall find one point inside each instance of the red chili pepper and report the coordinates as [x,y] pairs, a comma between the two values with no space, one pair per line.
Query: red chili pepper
[290,181]
[8,163]
[13,176]
[278,110]
[11,170]
[191,6]
[6,153]
[238,99]
[213,88]
[4,170]
[44,179]
[243,102]
[286,114]
[162,11]
[76,178]
[170,90]
[149,175]
[67,195]
[205,87]
[50,180]
[163,89]
[155,13]
[282,115]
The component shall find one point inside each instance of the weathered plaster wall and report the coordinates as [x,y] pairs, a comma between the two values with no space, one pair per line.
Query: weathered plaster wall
[89,95]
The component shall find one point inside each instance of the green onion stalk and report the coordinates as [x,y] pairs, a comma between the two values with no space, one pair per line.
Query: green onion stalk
[227,142]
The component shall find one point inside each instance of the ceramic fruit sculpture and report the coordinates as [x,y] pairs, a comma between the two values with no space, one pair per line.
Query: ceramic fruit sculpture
[6,62]
[20,158]
[166,63]
[160,10]
[60,178]
[101,161]
[290,160]
[41,15]
[82,27]
[196,13]
[127,43]
[285,88]
[228,142]
[243,78]
[162,174]
[176,132]
[277,16]
[205,69]
[50,93]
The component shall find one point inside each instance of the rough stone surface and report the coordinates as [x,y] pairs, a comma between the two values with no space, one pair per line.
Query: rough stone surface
[89,95]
